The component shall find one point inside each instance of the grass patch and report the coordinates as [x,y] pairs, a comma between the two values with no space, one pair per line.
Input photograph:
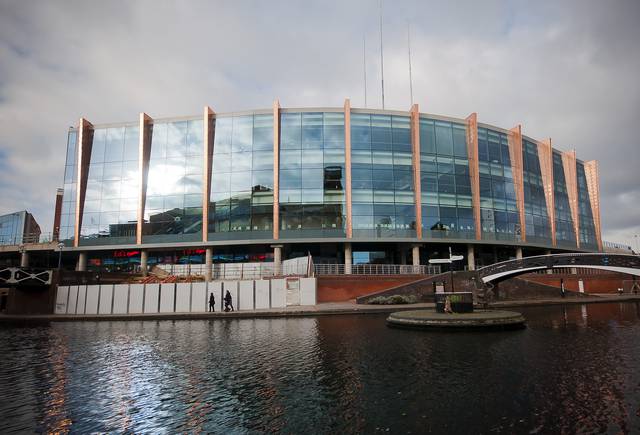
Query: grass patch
[394,300]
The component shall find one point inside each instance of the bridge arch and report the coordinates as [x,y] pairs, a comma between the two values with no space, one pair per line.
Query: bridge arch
[629,264]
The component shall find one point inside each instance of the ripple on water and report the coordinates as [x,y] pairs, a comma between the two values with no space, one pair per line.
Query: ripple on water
[574,369]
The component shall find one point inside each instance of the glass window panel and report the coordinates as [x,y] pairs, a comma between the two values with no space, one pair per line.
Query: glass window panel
[222,137]
[193,183]
[290,195]
[195,132]
[221,182]
[290,159]
[242,136]
[241,181]
[159,141]
[312,158]
[444,139]
[312,195]
[312,178]
[241,162]
[262,180]
[262,132]
[97,148]
[459,141]
[194,165]
[114,146]
[112,171]
[262,160]
[222,163]
[131,143]
[290,178]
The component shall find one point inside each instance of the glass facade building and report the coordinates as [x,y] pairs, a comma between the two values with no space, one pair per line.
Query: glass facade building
[312,175]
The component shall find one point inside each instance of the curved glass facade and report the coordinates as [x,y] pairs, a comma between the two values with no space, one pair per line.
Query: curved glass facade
[241,199]
[444,180]
[173,208]
[382,177]
[535,206]
[314,165]
[111,196]
[312,175]
[498,208]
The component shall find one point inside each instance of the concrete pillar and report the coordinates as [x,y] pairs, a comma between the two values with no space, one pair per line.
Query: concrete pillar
[518,253]
[144,262]
[208,264]
[82,262]
[348,258]
[277,259]
[415,256]
[24,259]
[471,257]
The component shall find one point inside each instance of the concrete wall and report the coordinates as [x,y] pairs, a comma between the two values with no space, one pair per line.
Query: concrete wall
[109,299]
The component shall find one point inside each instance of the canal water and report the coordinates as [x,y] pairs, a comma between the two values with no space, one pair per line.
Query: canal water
[574,369]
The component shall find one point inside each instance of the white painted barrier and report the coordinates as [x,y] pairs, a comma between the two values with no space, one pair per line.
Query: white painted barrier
[151,296]
[91,306]
[278,293]
[245,295]
[136,298]
[308,291]
[61,299]
[183,297]
[167,297]
[120,298]
[232,288]
[199,297]
[106,299]
[262,293]
[73,299]
[82,298]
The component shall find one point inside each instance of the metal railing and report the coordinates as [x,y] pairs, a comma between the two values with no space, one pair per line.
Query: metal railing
[300,266]
[24,239]
[376,269]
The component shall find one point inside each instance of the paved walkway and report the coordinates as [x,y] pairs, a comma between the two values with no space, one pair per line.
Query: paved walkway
[332,308]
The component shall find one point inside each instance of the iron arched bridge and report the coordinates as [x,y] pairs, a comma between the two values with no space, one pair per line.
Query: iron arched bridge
[622,263]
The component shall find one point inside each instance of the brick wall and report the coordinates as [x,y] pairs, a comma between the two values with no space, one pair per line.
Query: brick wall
[337,288]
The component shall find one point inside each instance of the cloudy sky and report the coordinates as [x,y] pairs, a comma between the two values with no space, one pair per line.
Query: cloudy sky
[568,70]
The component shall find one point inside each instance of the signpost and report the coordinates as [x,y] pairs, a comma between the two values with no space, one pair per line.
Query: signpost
[448,261]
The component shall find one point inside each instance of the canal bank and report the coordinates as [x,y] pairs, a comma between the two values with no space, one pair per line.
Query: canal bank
[322,309]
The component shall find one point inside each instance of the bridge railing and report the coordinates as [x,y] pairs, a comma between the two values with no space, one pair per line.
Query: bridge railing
[375,269]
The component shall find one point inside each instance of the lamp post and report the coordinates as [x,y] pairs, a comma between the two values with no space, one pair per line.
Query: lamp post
[60,246]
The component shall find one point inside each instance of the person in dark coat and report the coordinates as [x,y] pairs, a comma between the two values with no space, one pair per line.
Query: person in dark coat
[212,303]
[228,302]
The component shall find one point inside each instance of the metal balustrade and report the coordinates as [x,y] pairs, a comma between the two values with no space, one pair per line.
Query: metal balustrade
[376,269]
[24,239]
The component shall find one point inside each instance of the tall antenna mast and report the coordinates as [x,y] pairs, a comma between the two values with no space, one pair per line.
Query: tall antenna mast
[364,67]
[409,46]
[381,57]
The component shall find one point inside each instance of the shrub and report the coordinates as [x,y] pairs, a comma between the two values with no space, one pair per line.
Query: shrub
[393,300]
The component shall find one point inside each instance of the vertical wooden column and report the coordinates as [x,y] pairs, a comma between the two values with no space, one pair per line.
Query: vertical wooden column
[571,180]
[276,169]
[57,215]
[144,153]
[85,141]
[593,186]
[347,167]
[415,153]
[545,155]
[515,154]
[208,131]
[474,171]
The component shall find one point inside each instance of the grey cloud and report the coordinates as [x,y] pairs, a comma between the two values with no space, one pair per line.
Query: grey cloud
[565,70]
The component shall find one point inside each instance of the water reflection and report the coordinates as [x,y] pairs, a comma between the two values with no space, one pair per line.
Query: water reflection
[574,369]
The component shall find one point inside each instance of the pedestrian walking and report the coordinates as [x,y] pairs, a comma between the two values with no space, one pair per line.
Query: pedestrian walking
[212,303]
[228,302]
